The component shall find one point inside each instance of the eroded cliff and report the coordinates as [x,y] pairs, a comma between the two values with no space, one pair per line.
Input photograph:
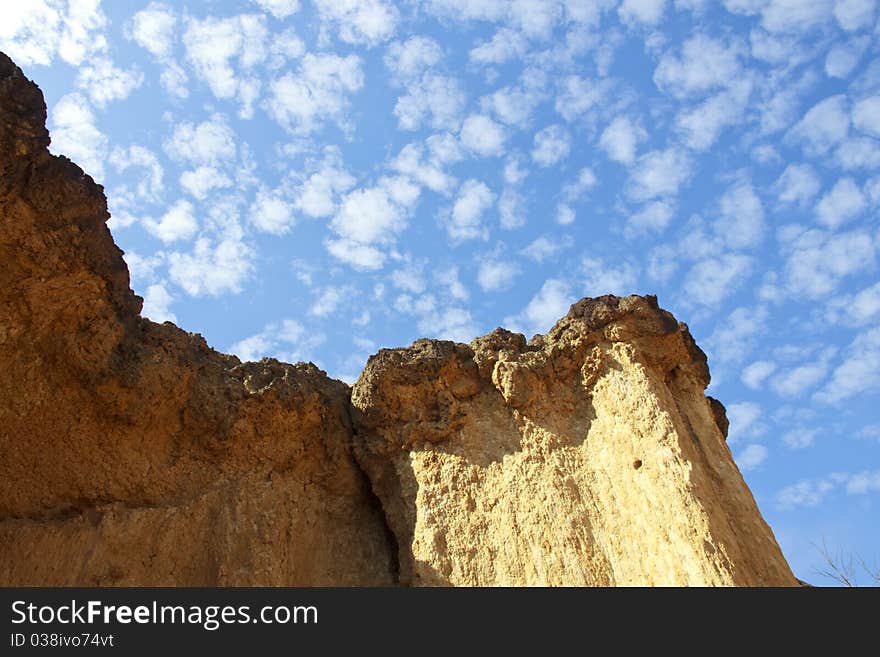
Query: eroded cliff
[132,453]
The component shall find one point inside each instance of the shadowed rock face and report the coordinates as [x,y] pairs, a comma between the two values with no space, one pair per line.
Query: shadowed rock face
[132,453]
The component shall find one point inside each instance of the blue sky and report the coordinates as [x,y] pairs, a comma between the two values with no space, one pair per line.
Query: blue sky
[312,180]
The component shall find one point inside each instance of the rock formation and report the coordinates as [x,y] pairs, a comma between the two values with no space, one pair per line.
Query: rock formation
[131,453]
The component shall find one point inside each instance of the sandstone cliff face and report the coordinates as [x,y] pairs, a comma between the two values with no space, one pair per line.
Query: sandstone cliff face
[589,456]
[132,453]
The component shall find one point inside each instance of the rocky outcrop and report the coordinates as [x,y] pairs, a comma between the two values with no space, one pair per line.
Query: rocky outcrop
[589,456]
[133,453]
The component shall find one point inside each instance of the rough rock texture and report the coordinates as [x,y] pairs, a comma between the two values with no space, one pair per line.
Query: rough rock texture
[132,453]
[589,456]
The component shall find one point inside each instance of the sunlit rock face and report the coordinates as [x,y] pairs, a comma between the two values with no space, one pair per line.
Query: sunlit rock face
[588,456]
[131,453]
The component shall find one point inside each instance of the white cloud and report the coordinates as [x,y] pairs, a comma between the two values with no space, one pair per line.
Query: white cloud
[203,180]
[550,303]
[154,28]
[552,145]
[859,373]
[866,115]
[482,135]
[863,483]
[271,213]
[584,182]
[34,32]
[659,173]
[825,125]
[280,9]
[150,186]
[817,262]
[543,247]
[712,280]
[213,43]
[287,340]
[178,223]
[175,80]
[798,184]
[301,102]
[409,279]
[751,457]
[651,218]
[515,104]
[407,60]
[565,216]
[796,381]
[704,64]
[505,45]
[648,12]
[755,374]
[369,215]
[859,153]
[744,420]
[465,220]
[844,202]
[75,134]
[450,323]
[105,83]
[360,22]
[856,309]
[800,438]
[854,14]
[449,278]
[157,304]
[328,301]
[843,58]
[212,268]
[621,138]
[578,96]
[437,100]
[211,142]
[29,31]
[734,337]
[428,172]
[741,220]
[794,15]
[807,493]
[600,277]
[511,209]
[143,268]
[496,275]
[701,126]
[359,256]
[316,196]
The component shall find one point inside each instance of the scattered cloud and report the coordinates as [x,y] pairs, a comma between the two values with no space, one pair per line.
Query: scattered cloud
[751,457]
[318,91]
[465,220]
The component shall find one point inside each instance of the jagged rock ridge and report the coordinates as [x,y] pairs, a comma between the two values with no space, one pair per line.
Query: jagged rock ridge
[132,453]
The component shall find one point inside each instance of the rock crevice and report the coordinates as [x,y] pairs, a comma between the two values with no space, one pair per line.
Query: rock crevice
[131,453]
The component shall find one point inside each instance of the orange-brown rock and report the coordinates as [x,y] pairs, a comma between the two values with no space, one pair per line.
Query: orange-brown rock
[133,453]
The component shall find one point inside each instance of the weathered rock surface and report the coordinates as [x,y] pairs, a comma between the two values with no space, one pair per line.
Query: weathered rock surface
[589,456]
[132,453]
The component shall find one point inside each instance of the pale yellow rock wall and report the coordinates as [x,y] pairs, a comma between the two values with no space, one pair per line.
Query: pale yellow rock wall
[592,459]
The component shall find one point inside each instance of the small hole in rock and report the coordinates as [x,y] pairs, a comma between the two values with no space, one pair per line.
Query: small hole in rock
[637,464]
